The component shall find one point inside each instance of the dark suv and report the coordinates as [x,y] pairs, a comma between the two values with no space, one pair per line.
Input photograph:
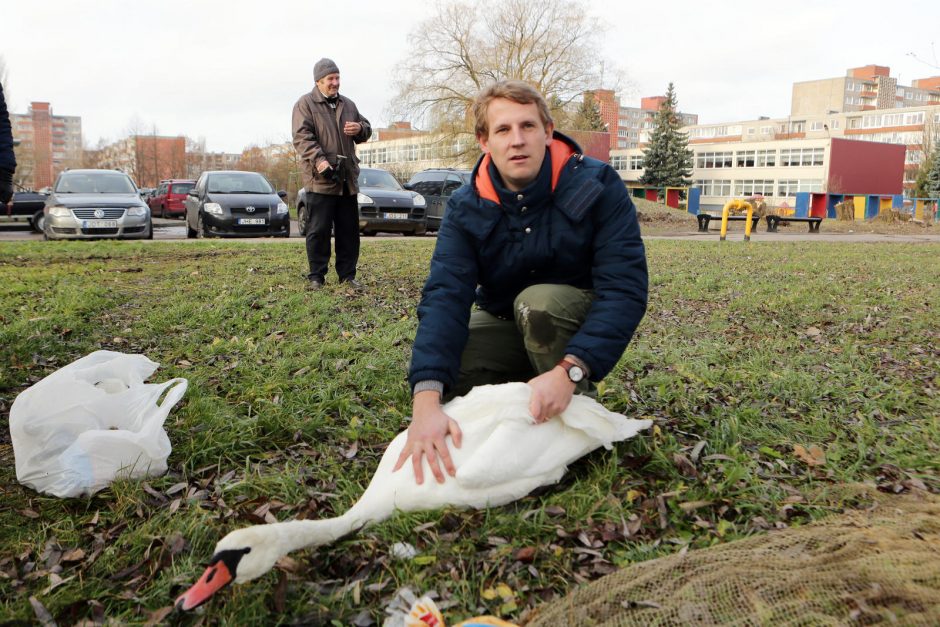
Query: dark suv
[437,185]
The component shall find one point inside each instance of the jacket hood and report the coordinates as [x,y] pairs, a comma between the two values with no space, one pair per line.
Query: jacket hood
[561,149]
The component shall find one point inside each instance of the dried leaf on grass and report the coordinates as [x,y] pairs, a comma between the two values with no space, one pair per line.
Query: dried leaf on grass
[813,456]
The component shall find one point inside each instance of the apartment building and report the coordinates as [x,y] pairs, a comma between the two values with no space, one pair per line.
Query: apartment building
[862,89]
[149,159]
[825,141]
[627,124]
[403,156]
[49,143]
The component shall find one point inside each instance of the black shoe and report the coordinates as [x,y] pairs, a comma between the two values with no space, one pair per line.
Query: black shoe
[314,284]
[352,284]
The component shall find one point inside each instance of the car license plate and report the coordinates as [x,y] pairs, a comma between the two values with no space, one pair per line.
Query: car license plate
[395,216]
[99,224]
[251,221]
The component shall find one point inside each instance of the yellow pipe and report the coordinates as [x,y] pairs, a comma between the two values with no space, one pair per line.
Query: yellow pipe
[736,204]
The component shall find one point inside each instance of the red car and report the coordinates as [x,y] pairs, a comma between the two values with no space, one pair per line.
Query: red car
[168,199]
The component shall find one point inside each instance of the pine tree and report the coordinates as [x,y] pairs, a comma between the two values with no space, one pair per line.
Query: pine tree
[588,117]
[667,160]
[933,174]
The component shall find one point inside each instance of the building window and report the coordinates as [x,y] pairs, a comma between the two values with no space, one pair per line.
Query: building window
[833,124]
[721,188]
[744,158]
[714,159]
[912,119]
[790,157]
[766,158]
[636,162]
[790,187]
[752,187]
[817,126]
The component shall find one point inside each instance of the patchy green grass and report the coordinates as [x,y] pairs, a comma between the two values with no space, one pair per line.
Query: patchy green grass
[750,356]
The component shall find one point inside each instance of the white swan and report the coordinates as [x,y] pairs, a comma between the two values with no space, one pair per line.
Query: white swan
[503,457]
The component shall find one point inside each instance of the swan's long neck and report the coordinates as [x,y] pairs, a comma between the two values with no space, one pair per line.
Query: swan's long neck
[298,534]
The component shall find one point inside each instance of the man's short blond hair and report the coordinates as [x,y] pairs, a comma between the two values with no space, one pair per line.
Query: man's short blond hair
[516,91]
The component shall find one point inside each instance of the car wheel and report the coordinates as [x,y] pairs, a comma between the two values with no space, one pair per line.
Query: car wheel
[150,234]
[39,221]
[302,219]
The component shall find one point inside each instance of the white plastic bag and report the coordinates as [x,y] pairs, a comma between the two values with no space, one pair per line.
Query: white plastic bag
[92,421]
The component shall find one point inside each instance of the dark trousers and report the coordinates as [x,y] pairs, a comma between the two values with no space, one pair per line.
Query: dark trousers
[339,214]
[545,317]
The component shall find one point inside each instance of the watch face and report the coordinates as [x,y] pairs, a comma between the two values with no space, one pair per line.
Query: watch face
[575,373]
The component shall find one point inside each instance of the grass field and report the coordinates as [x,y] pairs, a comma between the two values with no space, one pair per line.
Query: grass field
[775,373]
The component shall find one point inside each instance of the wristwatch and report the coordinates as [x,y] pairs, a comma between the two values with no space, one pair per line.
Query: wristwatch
[575,372]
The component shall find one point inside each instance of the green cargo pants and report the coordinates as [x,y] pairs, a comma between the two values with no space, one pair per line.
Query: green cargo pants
[499,351]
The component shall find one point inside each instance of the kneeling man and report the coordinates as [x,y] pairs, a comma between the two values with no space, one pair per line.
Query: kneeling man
[546,243]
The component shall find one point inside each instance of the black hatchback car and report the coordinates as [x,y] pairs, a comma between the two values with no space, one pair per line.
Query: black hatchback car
[384,205]
[437,185]
[230,203]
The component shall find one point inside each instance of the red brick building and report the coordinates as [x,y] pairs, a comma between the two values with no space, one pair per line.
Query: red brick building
[49,143]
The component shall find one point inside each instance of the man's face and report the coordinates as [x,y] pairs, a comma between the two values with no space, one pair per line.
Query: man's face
[516,141]
[329,84]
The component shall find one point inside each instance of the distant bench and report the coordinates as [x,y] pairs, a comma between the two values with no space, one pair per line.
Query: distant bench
[774,221]
[704,218]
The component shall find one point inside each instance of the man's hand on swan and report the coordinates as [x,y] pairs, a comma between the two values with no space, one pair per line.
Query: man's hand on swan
[551,394]
[427,437]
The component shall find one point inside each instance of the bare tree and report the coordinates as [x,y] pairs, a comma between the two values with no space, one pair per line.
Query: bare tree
[463,47]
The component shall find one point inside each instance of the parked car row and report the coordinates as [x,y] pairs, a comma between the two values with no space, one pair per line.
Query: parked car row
[96,203]
[387,206]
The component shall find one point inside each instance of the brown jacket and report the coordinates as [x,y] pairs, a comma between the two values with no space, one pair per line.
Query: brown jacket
[318,135]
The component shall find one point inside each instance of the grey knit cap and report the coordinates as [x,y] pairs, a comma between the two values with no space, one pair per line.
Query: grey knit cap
[324,67]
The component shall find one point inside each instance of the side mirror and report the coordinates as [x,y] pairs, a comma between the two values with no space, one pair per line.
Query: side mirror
[408,186]
[193,192]
[282,194]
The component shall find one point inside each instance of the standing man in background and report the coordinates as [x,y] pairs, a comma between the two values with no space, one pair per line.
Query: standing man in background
[7,158]
[326,127]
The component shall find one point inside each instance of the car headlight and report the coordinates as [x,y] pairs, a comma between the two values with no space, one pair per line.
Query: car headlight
[212,207]
[281,208]
[418,200]
[59,211]
[362,199]
[137,211]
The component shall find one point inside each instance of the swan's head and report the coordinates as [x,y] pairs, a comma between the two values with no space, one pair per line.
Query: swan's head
[241,556]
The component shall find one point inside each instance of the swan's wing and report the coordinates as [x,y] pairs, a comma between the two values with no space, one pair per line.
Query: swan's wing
[515,448]
[606,427]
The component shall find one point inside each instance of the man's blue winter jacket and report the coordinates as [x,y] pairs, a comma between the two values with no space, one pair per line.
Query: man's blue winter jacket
[583,233]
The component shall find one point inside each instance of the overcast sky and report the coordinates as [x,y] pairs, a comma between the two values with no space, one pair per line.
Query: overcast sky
[230,71]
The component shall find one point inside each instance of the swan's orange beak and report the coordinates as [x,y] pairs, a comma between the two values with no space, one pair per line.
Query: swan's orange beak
[216,577]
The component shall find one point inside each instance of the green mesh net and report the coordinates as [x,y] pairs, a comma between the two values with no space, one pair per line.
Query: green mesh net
[878,565]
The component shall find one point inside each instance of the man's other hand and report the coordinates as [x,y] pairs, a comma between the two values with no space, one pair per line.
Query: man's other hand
[427,435]
[551,394]
[323,166]
[352,128]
